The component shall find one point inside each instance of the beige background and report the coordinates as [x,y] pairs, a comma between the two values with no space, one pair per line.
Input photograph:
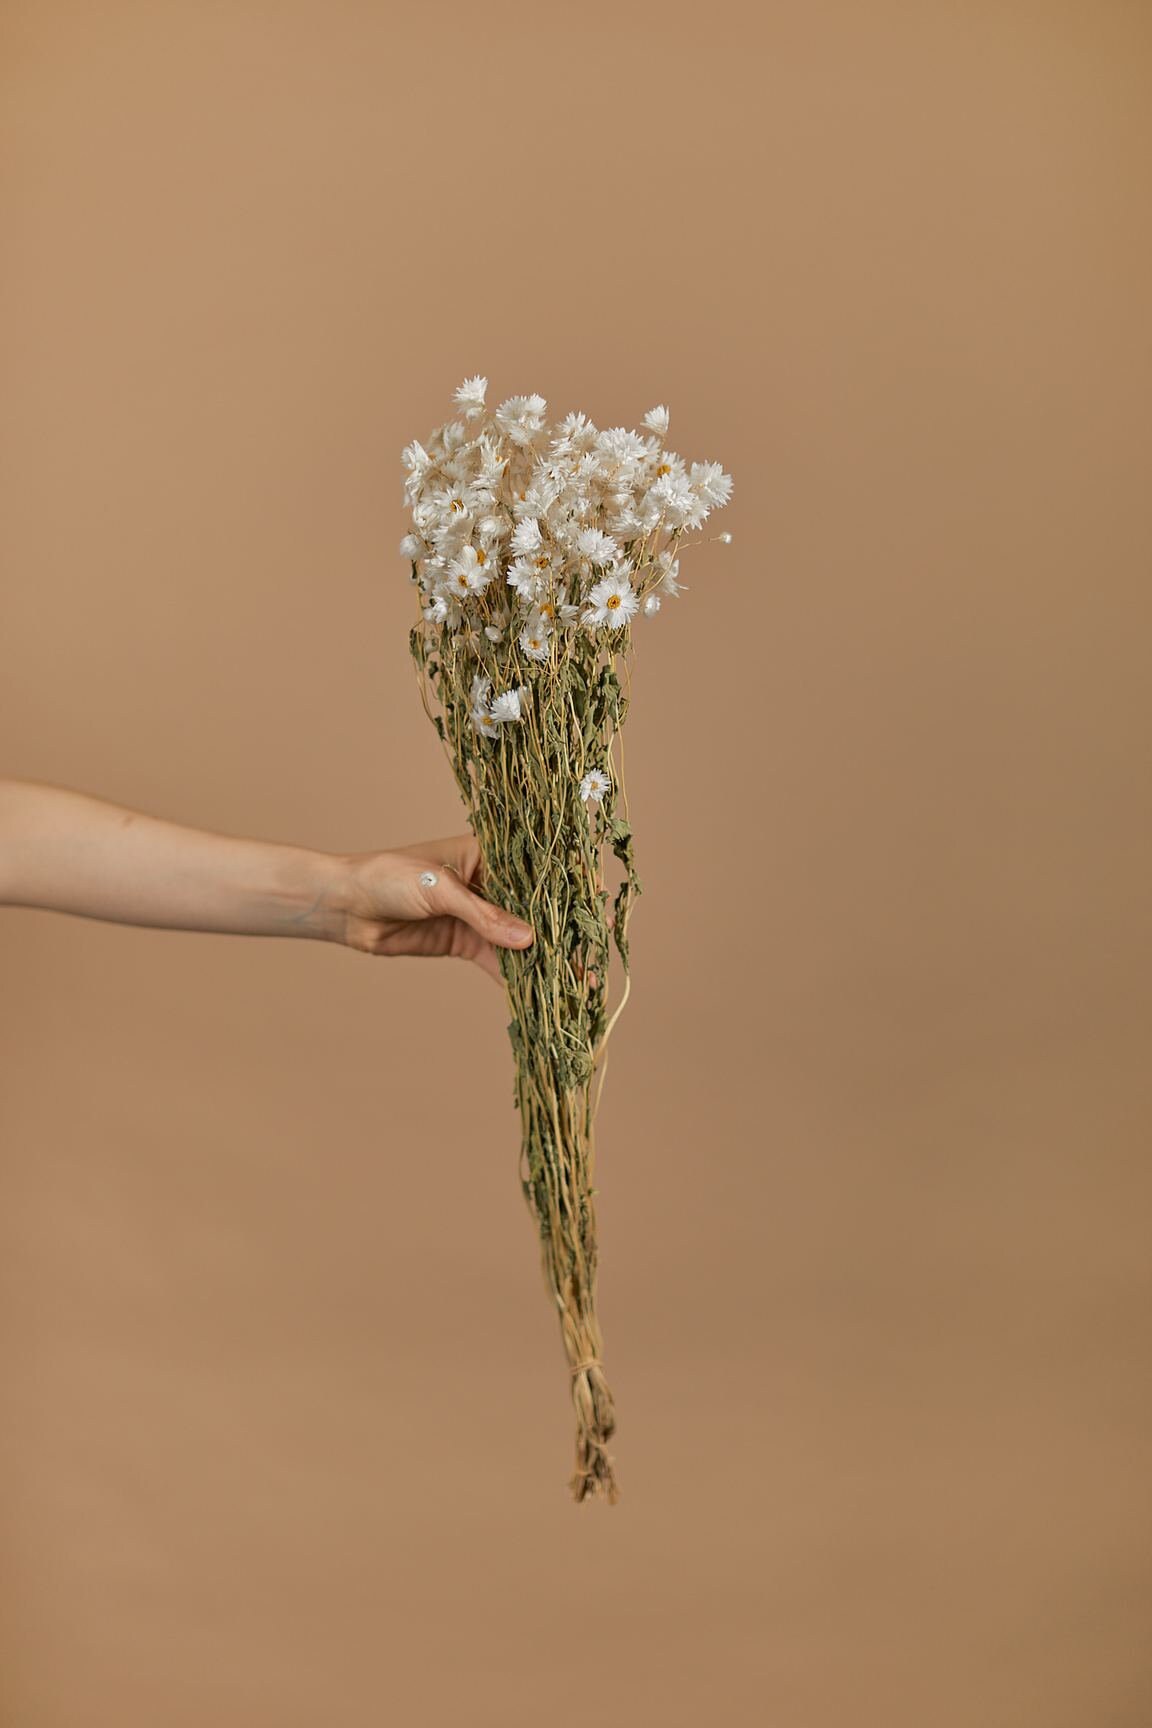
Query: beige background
[286,1426]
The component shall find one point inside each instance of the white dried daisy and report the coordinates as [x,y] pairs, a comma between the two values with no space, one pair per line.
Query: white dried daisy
[612,601]
[676,501]
[594,785]
[710,483]
[484,722]
[470,396]
[534,639]
[527,537]
[596,546]
[415,458]
[577,428]
[508,705]
[656,420]
[524,577]
[470,572]
[491,465]
[521,417]
[621,444]
[669,579]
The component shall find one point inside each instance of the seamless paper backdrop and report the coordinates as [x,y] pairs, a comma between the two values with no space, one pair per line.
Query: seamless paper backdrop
[286,1424]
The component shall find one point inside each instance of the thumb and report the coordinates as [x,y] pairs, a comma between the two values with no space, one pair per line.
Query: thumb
[450,895]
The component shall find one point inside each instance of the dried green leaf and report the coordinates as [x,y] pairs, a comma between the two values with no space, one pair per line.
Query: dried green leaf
[589,925]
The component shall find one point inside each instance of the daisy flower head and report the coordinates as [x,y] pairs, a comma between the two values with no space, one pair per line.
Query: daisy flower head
[470,572]
[521,417]
[656,420]
[415,458]
[594,785]
[411,546]
[631,524]
[577,429]
[612,601]
[492,464]
[527,537]
[524,577]
[679,504]
[540,496]
[621,444]
[596,546]
[710,483]
[667,462]
[507,706]
[453,502]
[651,605]
[470,396]
[484,722]
[534,639]
[587,467]
[670,582]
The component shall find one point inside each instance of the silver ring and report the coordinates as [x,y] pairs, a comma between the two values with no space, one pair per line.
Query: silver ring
[428,878]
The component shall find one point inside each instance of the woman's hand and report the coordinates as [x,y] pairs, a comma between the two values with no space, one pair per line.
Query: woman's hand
[382,903]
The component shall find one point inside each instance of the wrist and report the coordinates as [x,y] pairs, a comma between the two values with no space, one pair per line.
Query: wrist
[312,893]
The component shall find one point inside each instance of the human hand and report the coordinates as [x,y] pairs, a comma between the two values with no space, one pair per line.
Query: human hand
[64,851]
[382,905]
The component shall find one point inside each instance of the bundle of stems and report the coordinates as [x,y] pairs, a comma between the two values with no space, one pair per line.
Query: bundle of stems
[544,859]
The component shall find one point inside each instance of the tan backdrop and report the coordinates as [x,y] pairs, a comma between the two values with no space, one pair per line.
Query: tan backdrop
[286,1435]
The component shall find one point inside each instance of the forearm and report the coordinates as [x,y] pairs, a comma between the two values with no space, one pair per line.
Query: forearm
[67,852]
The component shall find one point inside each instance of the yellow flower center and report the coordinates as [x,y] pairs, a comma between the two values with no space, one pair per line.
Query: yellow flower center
[481,556]
[613,602]
[457,505]
[663,469]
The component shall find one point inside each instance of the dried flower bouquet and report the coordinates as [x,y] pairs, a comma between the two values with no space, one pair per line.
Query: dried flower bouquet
[534,549]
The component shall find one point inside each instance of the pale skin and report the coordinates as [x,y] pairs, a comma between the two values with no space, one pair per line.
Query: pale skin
[65,851]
